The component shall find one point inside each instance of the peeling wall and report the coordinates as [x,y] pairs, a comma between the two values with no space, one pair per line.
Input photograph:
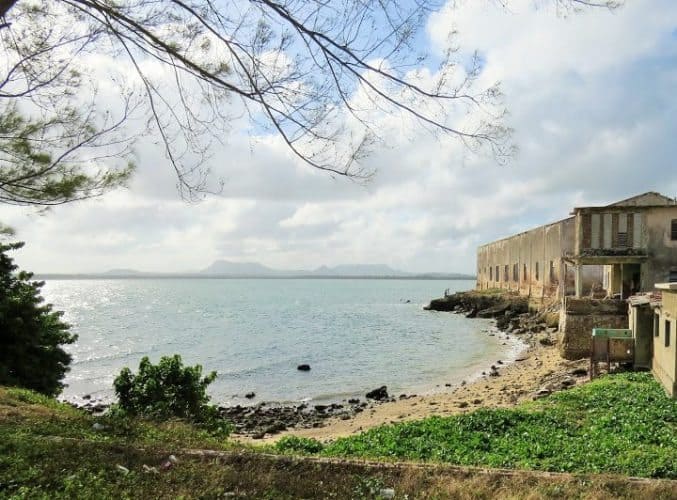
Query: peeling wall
[579,316]
[664,366]
[529,262]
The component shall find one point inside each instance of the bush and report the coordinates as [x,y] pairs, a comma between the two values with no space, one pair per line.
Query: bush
[165,390]
[31,334]
[295,444]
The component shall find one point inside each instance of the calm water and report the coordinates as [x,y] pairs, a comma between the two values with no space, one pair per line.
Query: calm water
[355,334]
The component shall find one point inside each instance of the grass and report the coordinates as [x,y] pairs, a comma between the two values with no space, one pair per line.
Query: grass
[617,424]
[50,450]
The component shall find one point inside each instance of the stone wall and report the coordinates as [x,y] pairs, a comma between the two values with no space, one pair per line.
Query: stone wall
[579,316]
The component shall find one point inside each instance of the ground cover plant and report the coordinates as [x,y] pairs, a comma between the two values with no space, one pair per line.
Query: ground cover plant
[51,450]
[617,424]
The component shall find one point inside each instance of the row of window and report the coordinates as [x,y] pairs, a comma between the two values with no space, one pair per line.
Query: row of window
[493,272]
[668,329]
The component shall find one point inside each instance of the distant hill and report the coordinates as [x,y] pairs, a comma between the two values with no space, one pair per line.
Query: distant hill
[239,268]
[229,269]
[359,270]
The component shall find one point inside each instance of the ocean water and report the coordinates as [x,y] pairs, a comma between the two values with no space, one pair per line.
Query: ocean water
[355,334]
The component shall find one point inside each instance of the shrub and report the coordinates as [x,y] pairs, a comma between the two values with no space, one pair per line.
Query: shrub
[165,390]
[295,444]
[31,334]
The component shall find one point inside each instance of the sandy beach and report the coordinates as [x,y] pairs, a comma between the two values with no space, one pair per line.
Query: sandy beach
[537,368]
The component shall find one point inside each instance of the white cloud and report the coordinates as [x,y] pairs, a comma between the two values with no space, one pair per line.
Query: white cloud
[592,101]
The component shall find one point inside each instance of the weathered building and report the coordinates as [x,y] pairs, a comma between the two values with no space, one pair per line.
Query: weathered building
[609,251]
[664,359]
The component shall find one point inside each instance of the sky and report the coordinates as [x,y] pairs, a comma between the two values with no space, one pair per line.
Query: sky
[592,102]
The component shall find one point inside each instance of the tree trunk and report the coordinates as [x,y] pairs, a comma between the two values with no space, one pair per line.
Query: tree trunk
[5,5]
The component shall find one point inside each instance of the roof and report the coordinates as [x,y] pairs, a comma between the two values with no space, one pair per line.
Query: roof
[650,198]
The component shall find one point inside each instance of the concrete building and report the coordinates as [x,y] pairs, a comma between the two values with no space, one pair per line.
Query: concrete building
[664,359]
[609,251]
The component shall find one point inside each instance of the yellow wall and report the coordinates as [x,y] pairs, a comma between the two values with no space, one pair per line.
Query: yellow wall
[665,358]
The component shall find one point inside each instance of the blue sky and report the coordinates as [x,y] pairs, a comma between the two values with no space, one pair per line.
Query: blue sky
[592,101]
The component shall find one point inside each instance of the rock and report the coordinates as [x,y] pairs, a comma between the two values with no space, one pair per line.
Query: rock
[499,362]
[89,396]
[98,427]
[387,493]
[250,395]
[472,313]
[261,435]
[378,394]
[463,404]
[354,401]
[303,368]
[321,408]
[567,382]
[579,372]
[541,393]
[546,341]
[476,401]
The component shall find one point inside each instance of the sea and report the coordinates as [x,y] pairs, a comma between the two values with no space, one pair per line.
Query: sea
[356,335]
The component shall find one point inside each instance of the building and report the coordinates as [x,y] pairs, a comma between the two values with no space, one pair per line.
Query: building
[664,359]
[610,251]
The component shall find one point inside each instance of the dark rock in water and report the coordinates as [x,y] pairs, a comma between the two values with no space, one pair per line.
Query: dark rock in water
[353,401]
[303,368]
[499,362]
[472,313]
[320,408]
[378,394]
[250,395]
[87,396]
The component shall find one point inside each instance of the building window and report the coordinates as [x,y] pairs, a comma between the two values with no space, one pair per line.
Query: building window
[656,323]
[497,274]
[491,274]
[506,276]
[622,236]
[515,273]
[673,230]
[536,272]
[552,271]
[672,277]
[667,333]
[524,272]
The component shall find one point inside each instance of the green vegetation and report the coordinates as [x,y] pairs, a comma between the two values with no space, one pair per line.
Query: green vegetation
[621,424]
[31,334]
[50,450]
[168,390]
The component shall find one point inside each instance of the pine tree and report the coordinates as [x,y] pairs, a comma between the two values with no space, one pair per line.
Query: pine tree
[31,333]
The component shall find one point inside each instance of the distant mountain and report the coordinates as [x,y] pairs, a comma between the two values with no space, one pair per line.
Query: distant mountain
[239,268]
[228,269]
[359,270]
[122,272]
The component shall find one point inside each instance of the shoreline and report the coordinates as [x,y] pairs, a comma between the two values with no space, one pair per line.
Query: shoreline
[537,371]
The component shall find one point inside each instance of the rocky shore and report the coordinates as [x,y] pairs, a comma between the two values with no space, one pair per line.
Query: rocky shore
[537,371]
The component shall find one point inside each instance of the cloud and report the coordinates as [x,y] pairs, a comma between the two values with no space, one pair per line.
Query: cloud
[591,99]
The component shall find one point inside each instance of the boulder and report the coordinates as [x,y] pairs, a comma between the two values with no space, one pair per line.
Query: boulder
[303,368]
[378,394]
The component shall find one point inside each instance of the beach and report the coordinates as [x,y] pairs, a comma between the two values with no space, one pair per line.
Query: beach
[537,371]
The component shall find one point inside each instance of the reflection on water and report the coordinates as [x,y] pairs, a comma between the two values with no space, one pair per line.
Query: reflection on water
[355,334]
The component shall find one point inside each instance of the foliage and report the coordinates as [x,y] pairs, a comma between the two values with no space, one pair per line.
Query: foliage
[35,465]
[623,424]
[38,164]
[31,334]
[295,444]
[165,390]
